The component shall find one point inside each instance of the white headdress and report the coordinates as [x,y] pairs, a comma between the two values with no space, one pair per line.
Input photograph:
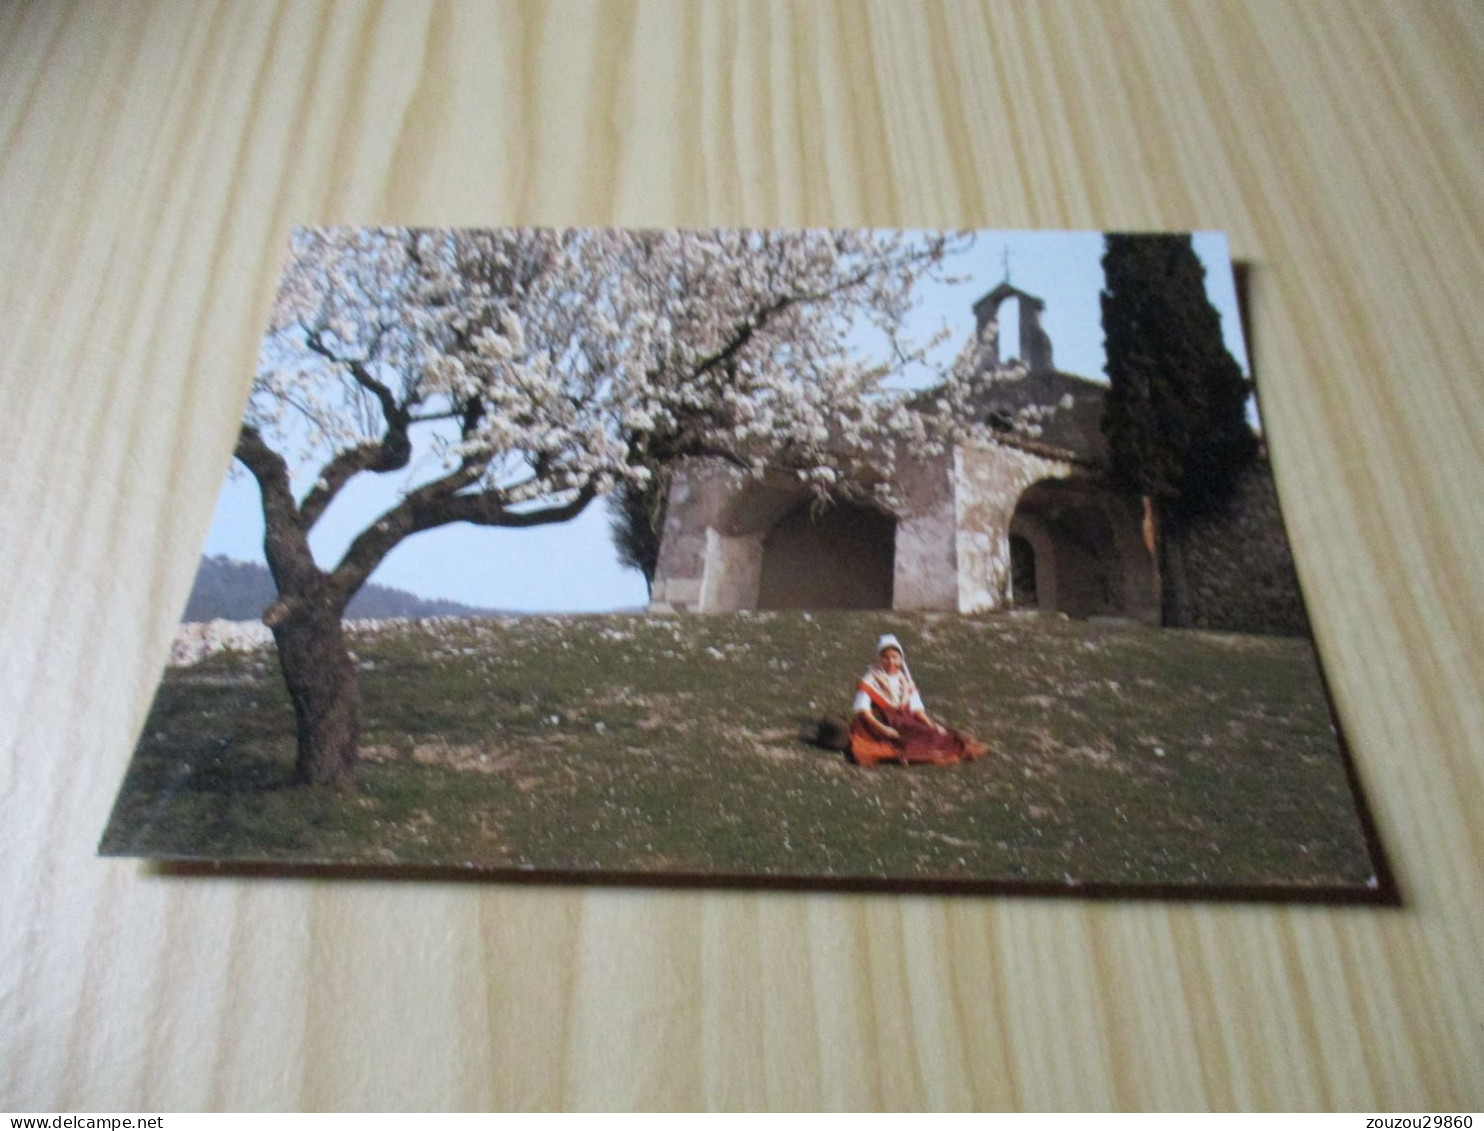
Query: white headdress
[896,690]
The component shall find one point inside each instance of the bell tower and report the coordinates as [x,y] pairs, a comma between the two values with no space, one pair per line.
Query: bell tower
[1035,345]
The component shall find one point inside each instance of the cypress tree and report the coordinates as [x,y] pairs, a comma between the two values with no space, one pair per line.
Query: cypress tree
[1175,419]
[636,517]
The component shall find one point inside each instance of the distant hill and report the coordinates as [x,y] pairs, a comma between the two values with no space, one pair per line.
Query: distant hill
[231,590]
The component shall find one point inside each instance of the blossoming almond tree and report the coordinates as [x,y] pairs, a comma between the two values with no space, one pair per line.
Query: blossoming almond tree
[534,370]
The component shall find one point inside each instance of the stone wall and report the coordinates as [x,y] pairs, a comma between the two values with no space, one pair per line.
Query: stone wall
[1237,568]
[1075,404]
[990,479]
[196,640]
[926,545]
[733,572]
[688,540]
[723,533]
[951,549]
[838,558]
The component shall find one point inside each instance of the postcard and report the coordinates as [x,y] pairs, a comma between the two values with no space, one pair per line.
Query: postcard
[908,560]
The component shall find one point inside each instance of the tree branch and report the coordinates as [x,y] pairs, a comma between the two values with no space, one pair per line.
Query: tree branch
[285,538]
[433,505]
[482,510]
[744,334]
[389,407]
[391,453]
[271,472]
[755,322]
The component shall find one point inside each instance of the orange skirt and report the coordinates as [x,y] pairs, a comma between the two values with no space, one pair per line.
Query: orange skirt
[920,743]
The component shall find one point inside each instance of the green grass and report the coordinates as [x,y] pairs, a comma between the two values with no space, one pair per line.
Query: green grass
[1119,754]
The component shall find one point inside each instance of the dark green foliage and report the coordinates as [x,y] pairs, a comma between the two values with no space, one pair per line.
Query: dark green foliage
[636,518]
[1175,419]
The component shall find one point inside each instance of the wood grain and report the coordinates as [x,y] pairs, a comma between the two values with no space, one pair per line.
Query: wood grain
[152,158]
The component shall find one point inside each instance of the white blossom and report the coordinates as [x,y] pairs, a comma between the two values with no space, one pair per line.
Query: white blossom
[549,363]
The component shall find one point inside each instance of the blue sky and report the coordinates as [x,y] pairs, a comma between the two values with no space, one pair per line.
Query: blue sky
[572,567]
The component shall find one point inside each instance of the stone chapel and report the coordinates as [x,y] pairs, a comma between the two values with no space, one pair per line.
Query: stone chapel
[1019,519]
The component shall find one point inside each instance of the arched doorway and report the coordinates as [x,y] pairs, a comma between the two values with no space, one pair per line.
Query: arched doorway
[1023,593]
[841,556]
[1080,553]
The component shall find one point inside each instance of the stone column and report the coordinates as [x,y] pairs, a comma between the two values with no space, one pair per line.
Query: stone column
[923,575]
[733,571]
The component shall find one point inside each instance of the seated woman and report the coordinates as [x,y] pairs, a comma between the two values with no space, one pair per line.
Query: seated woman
[890,722]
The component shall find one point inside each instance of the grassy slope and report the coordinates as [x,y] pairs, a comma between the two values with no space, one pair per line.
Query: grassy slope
[1119,754]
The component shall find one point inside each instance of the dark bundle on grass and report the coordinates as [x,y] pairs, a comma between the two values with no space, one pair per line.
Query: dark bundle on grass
[832,733]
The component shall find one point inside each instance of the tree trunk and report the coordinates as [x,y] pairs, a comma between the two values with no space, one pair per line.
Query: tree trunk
[1174,586]
[1149,528]
[327,699]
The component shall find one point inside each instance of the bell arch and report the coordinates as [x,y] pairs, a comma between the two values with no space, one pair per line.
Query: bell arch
[1014,333]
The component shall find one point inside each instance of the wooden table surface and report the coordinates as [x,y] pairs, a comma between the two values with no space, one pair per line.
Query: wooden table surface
[152,159]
